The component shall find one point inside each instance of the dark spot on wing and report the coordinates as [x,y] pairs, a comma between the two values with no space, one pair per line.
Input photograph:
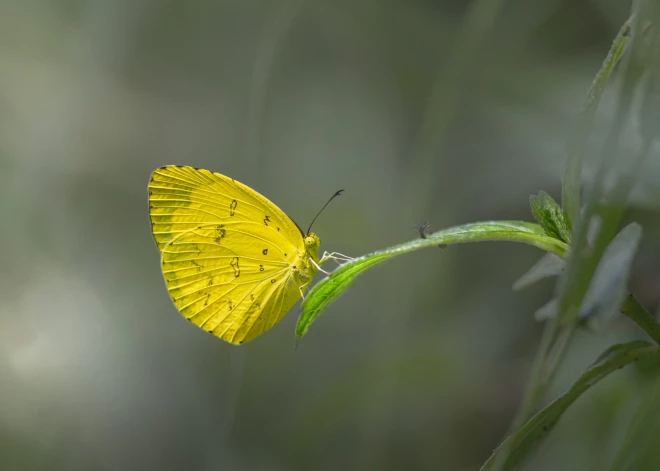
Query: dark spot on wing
[234,265]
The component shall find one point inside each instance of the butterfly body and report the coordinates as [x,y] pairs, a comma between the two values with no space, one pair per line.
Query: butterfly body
[233,262]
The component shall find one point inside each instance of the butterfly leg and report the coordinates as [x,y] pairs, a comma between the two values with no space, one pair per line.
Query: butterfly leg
[318,267]
[301,288]
[336,256]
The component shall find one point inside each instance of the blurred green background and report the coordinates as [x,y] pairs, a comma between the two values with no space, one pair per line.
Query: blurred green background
[422,363]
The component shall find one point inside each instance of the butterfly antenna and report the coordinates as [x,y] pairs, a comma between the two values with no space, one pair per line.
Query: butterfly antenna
[326,204]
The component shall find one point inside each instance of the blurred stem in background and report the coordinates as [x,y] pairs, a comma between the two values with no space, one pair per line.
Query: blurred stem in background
[454,63]
[634,310]
[446,93]
[276,31]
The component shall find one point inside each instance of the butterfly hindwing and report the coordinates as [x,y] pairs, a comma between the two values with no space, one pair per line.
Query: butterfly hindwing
[223,288]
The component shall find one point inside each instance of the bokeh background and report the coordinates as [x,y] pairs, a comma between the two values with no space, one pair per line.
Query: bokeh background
[422,363]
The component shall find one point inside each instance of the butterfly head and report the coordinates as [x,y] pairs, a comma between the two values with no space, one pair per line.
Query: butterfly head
[307,266]
[312,244]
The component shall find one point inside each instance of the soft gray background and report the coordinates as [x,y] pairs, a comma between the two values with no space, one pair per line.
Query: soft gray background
[421,364]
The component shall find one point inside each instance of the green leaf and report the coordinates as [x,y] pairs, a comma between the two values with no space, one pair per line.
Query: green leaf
[547,311]
[570,191]
[550,216]
[547,266]
[521,443]
[325,291]
[607,287]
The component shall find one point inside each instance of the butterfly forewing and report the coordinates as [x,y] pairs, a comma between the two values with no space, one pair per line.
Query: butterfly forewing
[181,198]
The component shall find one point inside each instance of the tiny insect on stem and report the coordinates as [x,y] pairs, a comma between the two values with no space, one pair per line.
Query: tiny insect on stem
[423,229]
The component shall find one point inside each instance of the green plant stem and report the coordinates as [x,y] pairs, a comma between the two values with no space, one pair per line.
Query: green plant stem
[634,310]
[548,358]
[534,391]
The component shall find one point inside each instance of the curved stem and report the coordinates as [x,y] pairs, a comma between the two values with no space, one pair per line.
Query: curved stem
[634,310]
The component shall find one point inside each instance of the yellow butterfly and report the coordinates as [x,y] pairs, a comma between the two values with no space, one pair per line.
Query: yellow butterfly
[234,263]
